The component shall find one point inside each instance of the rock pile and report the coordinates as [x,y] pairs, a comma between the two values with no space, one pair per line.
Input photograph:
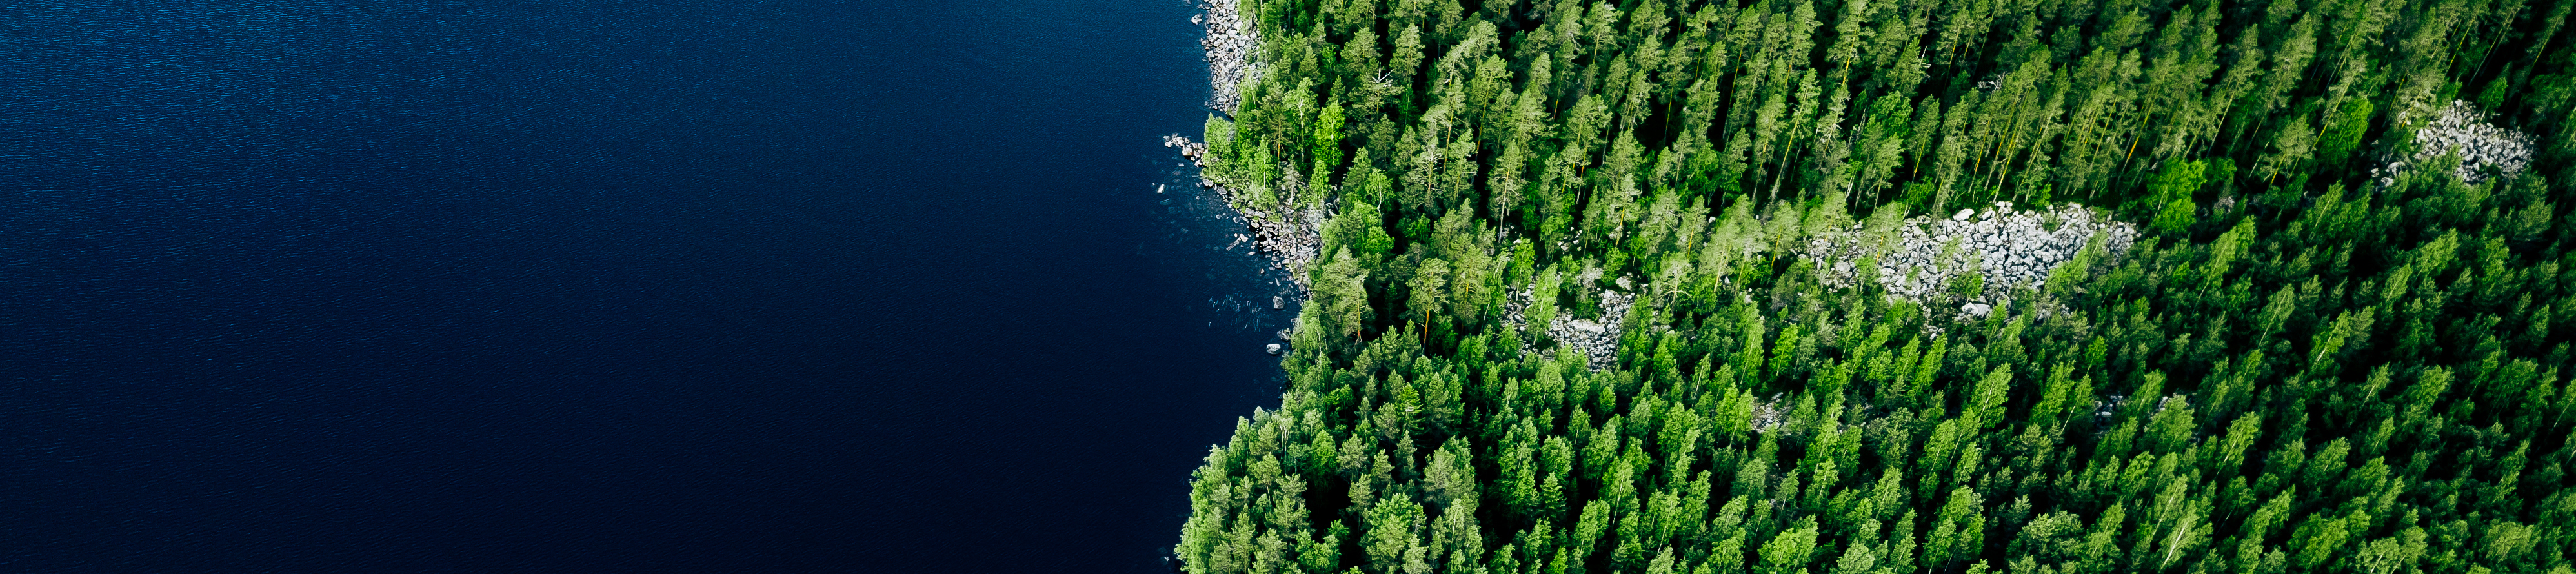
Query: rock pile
[2484,148]
[1230,43]
[2008,248]
[1598,341]
[1195,151]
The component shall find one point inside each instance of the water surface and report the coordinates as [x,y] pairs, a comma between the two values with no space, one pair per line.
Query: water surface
[569,286]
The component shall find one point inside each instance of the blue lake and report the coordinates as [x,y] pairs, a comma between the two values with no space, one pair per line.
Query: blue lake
[594,286]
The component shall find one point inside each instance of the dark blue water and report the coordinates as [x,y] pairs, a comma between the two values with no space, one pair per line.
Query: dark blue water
[603,286]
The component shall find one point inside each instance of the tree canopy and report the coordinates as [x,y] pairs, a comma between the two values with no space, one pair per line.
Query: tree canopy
[2312,361]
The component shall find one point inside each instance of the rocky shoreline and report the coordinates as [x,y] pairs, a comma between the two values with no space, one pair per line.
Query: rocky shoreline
[1289,236]
[1230,43]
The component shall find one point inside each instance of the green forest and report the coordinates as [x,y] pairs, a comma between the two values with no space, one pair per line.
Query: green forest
[2337,342]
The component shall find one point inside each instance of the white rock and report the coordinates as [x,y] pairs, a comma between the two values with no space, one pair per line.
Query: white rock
[2012,249]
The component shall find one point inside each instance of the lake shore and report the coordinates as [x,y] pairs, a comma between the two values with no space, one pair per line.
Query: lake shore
[1288,235]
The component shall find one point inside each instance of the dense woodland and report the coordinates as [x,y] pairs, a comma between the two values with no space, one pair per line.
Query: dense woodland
[2299,368]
